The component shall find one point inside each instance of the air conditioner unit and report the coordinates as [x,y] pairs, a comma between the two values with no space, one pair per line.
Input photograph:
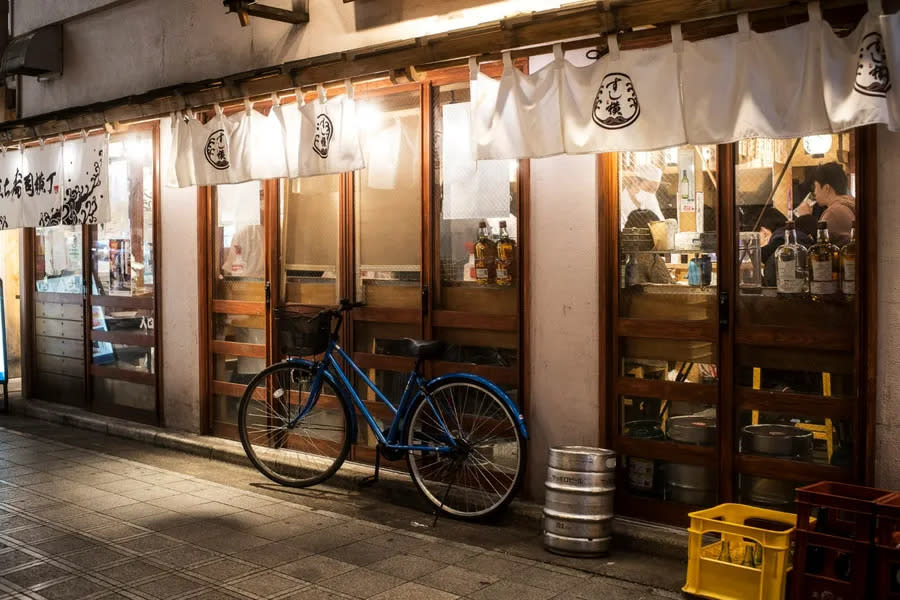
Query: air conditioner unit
[38,53]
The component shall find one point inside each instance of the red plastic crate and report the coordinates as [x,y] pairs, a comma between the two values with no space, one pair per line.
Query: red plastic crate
[887,548]
[827,566]
[841,509]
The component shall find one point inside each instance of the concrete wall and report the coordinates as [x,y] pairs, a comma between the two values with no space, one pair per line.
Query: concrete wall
[887,416]
[564,407]
[180,301]
[136,46]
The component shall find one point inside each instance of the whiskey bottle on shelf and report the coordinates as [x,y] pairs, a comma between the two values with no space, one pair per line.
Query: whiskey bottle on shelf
[485,256]
[506,257]
[790,263]
[848,265]
[823,266]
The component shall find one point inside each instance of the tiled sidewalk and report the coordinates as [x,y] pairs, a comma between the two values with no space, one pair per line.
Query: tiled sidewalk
[78,523]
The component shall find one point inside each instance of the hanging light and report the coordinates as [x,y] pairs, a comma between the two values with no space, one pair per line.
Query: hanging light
[817,145]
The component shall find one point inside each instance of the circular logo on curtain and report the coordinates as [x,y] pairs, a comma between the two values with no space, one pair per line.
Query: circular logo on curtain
[324,133]
[872,75]
[616,103]
[216,150]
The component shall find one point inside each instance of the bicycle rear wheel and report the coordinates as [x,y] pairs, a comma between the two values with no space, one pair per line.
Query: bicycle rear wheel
[482,475]
[292,438]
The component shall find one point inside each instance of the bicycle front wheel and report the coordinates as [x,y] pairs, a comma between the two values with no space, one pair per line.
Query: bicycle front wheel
[482,474]
[293,438]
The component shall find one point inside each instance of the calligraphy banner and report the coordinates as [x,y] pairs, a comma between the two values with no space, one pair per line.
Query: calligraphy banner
[329,136]
[10,204]
[86,181]
[856,72]
[629,100]
[205,153]
[39,186]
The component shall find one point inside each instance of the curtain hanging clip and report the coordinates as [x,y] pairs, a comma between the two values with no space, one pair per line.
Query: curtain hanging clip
[41,142]
[248,106]
[84,135]
[276,101]
[612,41]
[348,87]
[299,95]
[473,68]
[320,90]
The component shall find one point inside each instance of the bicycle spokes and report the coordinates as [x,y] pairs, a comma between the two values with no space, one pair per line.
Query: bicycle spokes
[482,469]
[295,433]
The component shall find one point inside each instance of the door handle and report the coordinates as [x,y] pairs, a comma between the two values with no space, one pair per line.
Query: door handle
[724,306]
[424,300]
[268,295]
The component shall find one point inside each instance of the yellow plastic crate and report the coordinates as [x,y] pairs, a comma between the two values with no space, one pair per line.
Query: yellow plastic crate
[766,534]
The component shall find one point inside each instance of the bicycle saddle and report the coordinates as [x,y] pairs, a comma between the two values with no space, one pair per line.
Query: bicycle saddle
[425,349]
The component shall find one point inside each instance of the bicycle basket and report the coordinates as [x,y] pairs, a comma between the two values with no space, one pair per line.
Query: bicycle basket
[302,334]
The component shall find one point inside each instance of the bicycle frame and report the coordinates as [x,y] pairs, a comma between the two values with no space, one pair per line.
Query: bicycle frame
[415,384]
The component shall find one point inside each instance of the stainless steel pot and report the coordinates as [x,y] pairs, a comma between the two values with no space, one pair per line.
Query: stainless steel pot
[692,430]
[777,440]
[690,484]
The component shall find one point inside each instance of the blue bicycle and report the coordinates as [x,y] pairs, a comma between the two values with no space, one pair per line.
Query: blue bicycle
[463,437]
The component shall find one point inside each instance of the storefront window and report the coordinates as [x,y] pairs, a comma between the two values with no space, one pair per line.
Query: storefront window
[309,240]
[796,310]
[122,248]
[58,259]
[240,249]
[479,211]
[389,203]
[668,280]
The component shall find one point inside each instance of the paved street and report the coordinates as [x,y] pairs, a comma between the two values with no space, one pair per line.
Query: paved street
[85,515]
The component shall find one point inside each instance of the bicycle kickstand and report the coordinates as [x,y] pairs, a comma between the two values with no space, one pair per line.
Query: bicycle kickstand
[373,479]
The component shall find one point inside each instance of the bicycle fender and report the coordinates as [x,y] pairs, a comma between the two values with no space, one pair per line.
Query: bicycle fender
[337,386]
[520,418]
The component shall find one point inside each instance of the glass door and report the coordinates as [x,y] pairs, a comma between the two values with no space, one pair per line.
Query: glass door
[59,307]
[124,337]
[477,216]
[665,344]
[239,297]
[388,223]
[796,388]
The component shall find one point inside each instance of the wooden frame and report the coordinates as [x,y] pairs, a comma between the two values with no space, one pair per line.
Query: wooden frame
[729,398]
[87,301]
[425,324]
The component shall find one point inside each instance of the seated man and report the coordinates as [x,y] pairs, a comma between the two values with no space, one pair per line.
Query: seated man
[830,189]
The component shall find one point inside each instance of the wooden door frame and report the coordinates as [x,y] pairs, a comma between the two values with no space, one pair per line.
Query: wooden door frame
[728,460]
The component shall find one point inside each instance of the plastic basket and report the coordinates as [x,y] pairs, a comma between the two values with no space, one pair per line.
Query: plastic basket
[302,334]
[887,549]
[841,509]
[766,533]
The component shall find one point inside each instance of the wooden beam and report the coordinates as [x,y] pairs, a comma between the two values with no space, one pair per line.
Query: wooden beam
[532,33]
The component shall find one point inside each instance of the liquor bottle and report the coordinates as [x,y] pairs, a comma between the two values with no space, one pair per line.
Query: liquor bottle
[748,555]
[790,262]
[823,266]
[506,257]
[725,552]
[469,267]
[684,188]
[848,265]
[485,256]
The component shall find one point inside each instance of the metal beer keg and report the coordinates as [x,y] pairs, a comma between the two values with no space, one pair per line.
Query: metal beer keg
[578,509]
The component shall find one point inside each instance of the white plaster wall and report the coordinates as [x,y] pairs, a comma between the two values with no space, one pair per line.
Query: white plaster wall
[180,300]
[146,44]
[887,416]
[564,406]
